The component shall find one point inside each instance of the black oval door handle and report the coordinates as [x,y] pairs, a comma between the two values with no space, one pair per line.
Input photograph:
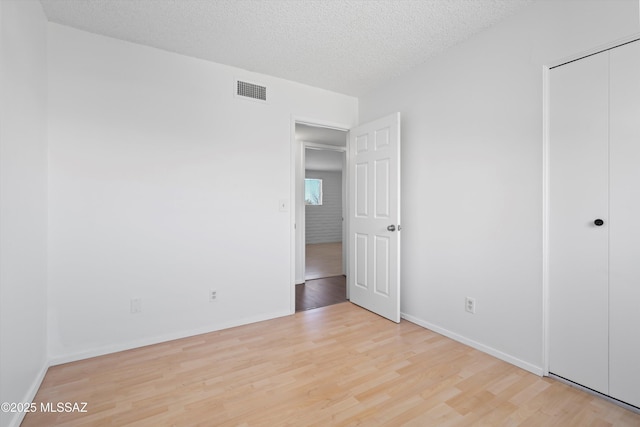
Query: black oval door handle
[598,222]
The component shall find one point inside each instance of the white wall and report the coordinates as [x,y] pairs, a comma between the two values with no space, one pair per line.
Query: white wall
[23,196]
[164,185]
[472,173]
[323,224]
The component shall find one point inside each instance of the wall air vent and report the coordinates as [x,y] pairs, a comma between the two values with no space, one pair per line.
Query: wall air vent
[250,90]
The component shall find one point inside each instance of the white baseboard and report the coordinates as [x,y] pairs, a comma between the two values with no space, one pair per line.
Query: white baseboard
[29,395]
[101,351]
[537,370]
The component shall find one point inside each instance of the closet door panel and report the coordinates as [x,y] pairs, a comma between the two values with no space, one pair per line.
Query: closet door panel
[624,282]
[578,249]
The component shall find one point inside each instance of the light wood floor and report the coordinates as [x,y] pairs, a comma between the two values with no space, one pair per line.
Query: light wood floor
[323,260]
[334,366]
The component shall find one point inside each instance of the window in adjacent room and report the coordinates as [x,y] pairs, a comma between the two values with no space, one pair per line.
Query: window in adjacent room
[313,191]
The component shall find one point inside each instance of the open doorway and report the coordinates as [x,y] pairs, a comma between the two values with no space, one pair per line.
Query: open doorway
[323,213]
[320,212]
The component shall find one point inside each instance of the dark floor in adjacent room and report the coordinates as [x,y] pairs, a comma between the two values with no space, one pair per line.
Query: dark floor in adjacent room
[321,292]
[324,282]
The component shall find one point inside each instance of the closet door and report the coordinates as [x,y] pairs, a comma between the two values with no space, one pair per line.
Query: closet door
[624,281]
[578,248]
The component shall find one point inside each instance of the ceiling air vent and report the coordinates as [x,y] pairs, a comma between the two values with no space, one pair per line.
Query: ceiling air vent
[250,90]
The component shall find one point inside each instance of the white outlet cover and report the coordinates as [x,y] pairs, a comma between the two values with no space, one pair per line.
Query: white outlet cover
[136,305]
[470,305]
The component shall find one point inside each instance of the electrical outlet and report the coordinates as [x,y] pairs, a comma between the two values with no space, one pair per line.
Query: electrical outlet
[213,295]
[136,305]
[470,305]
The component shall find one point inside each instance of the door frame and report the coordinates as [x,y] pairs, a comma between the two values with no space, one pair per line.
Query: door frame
[546,76]
[297,212]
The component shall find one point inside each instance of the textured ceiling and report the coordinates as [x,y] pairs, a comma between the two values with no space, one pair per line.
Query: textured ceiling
[347,46]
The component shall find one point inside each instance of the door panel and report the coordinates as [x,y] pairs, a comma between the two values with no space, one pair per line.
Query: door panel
[361,192]
[382,189]
[578,249]
[362,143]
[374,171]
[382,244]
[624,317]
[362,259]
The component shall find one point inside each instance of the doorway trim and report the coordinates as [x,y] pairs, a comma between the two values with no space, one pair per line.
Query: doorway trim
[296,217]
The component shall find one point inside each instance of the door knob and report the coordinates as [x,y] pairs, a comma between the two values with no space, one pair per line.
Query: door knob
[391,227]
[598,222]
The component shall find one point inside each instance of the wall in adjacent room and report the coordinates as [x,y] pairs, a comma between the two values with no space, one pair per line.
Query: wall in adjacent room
[323,224]
[23,202]
[472,173]
[164,186]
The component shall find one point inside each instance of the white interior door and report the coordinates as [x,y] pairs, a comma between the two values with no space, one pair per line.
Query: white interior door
[578,248]
[624,231]
[374,216]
